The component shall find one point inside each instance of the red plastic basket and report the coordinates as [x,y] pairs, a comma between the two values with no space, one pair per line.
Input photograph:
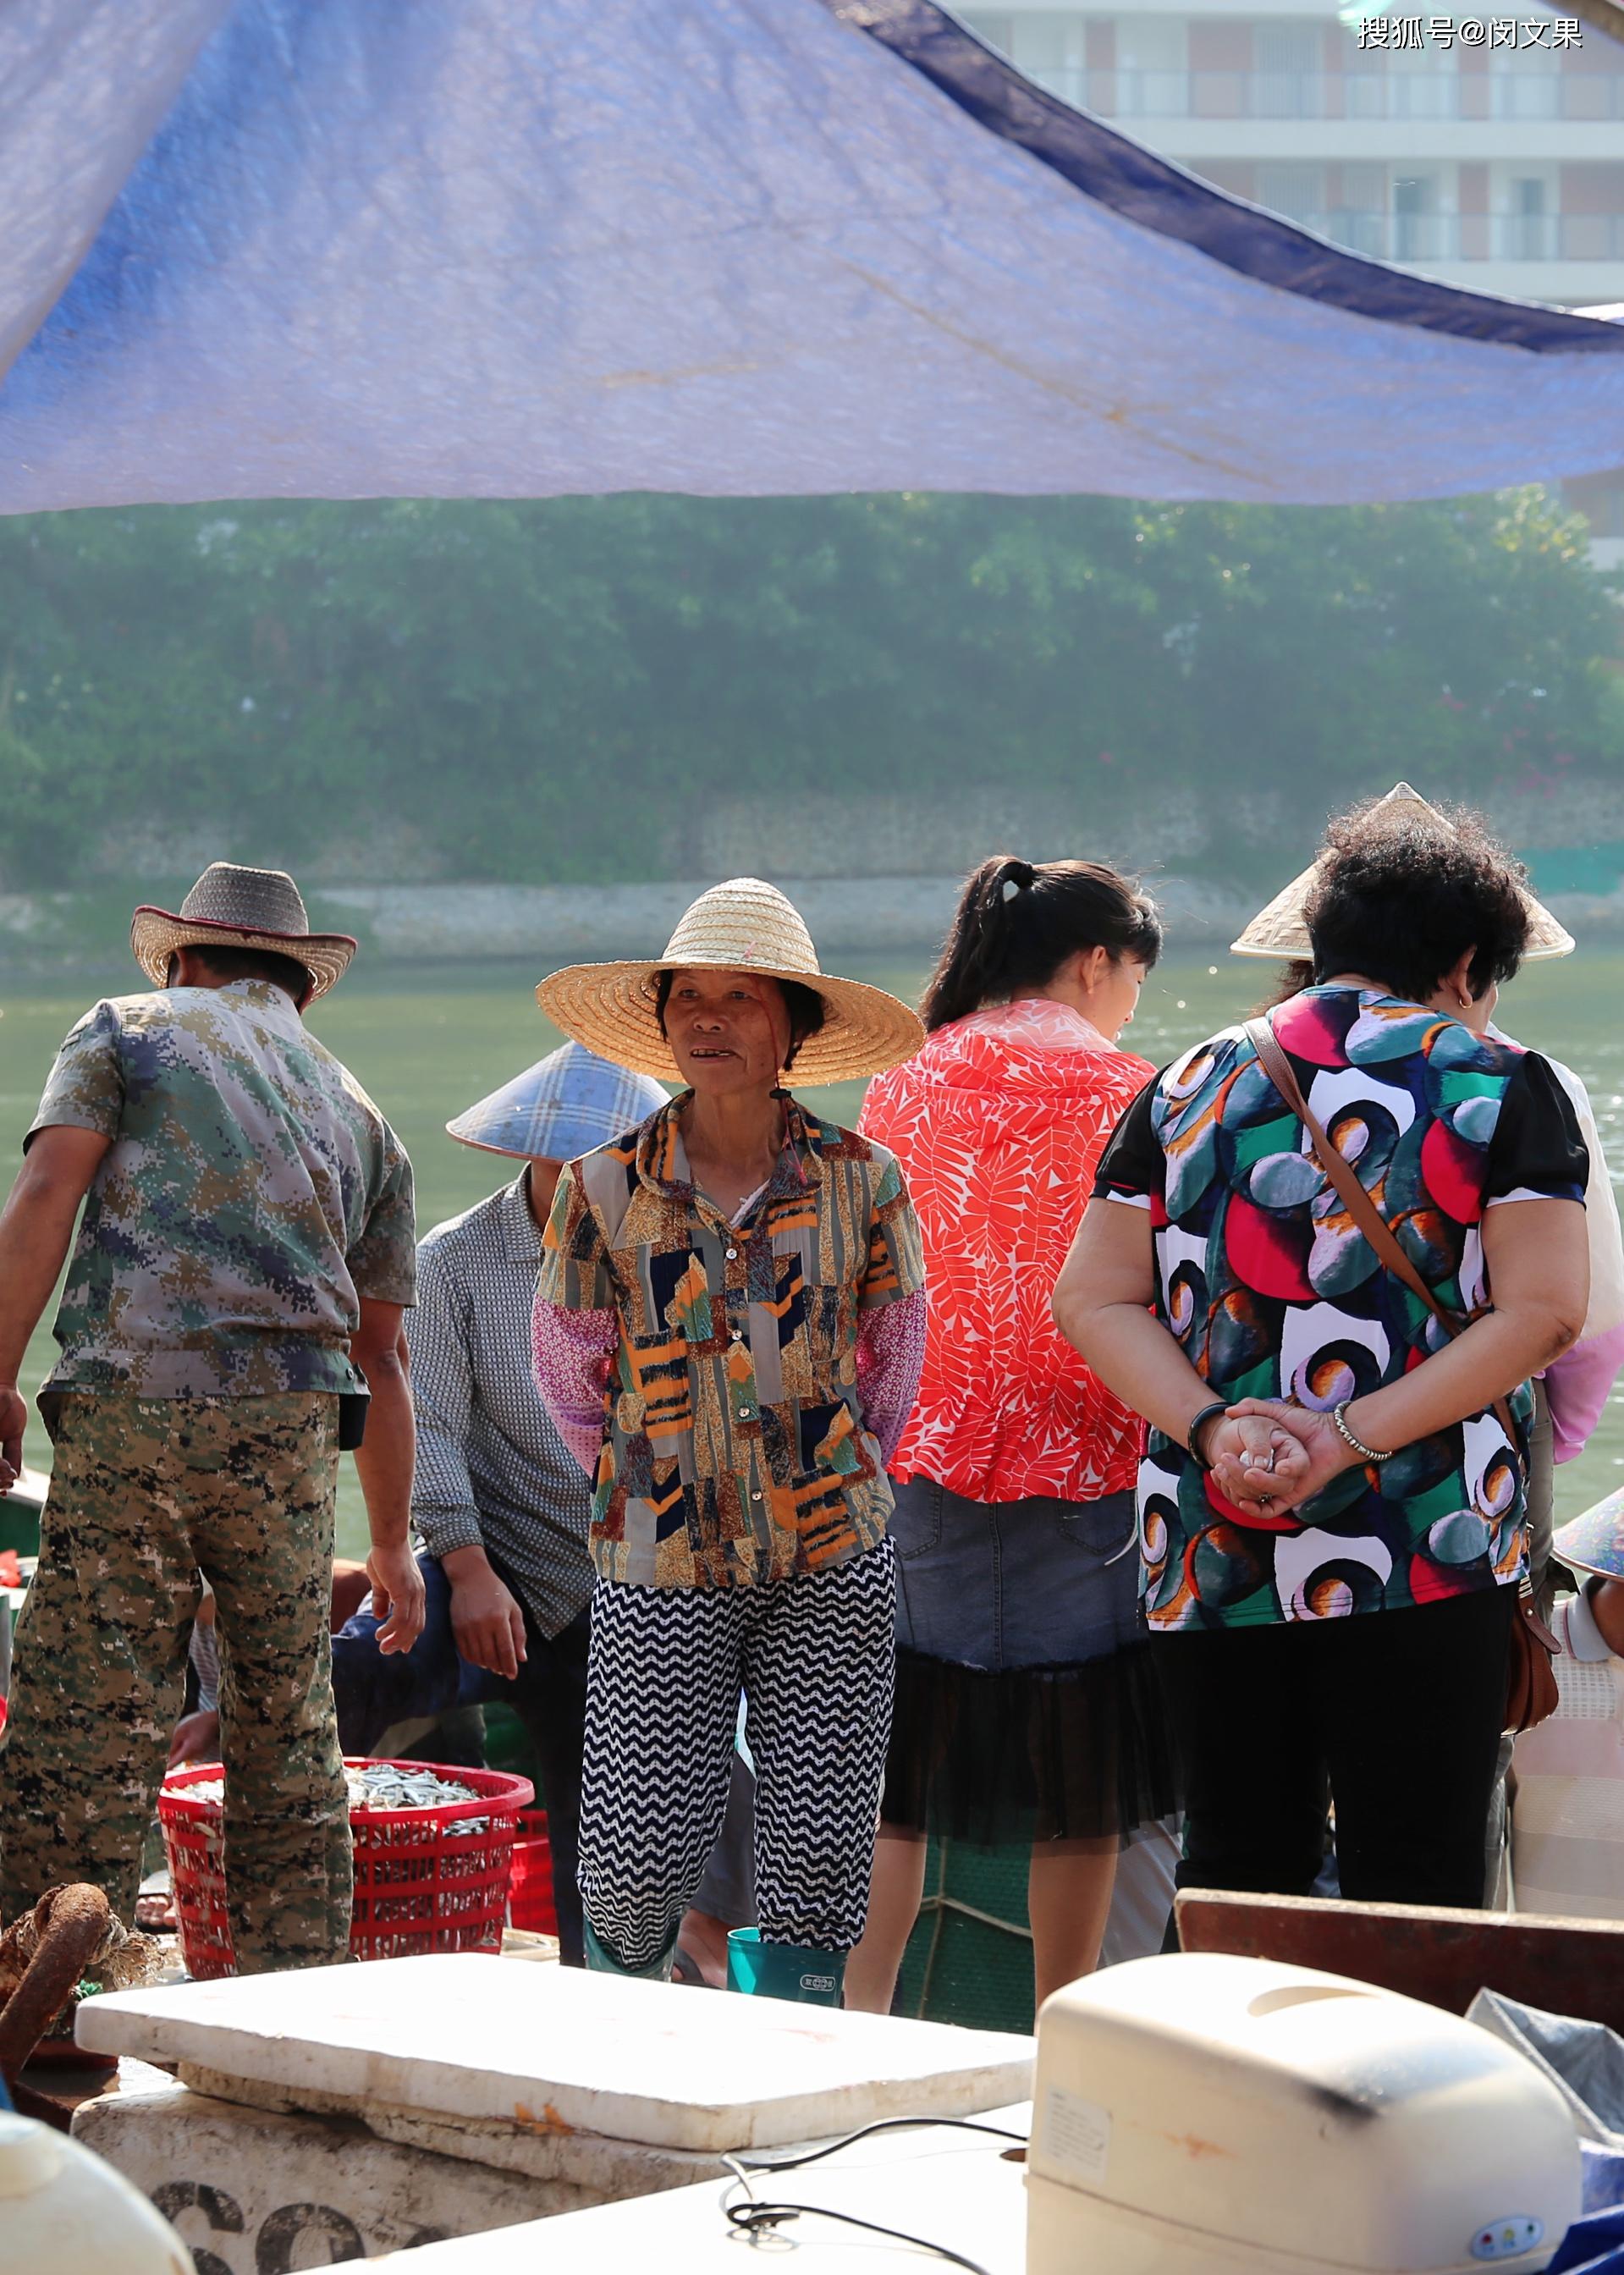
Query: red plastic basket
[531,1901]
[421,1885]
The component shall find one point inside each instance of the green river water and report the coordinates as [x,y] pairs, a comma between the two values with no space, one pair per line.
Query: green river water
[427,1040]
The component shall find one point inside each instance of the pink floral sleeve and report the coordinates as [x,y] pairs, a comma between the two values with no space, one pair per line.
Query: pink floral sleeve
[890,1355]
[573,1353]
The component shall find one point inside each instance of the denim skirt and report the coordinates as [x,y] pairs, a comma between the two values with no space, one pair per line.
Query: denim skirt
[1025,1707]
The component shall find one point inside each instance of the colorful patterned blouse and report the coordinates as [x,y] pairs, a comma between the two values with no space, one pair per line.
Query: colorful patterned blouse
[736,1444]
[998,1123]
[1272,1294]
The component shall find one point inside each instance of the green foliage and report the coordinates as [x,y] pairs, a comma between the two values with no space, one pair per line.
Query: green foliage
[549,690]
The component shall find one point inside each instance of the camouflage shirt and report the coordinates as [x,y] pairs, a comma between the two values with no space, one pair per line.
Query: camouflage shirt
[251,1196]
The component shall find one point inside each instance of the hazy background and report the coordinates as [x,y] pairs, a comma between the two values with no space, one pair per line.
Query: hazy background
[581,690]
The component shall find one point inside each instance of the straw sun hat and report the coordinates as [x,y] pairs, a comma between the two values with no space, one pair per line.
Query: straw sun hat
[233,907]
[744,925]
[1280,929]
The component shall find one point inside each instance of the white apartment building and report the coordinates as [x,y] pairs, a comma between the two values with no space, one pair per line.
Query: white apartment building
[1495,164]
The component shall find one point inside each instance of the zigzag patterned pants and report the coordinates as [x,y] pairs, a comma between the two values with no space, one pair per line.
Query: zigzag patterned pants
[815,1656]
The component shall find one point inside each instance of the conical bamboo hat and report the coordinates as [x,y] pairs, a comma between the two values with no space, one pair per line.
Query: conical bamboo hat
[1279,930]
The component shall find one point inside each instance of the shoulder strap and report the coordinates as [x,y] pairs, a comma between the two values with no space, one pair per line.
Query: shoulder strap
[1351,1192]
[1341,1172]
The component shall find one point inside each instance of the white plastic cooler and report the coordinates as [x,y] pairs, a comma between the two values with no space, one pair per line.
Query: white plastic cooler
[1201,2114]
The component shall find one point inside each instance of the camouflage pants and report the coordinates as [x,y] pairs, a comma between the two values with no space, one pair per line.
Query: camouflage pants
[145,1493]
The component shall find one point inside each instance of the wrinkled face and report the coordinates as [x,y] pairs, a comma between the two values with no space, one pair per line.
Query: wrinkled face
[729,1031]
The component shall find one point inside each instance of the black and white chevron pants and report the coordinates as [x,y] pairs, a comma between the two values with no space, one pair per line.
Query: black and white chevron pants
[814,1656]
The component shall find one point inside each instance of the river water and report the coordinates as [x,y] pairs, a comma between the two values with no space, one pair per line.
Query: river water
[427,1040]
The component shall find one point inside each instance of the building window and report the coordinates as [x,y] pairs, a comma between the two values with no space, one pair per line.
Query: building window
[1361,221]
[1287,80]
[1296,191]
[1417,232]
[1152,67]
[1422,85]
[1526,83]
[1527,230]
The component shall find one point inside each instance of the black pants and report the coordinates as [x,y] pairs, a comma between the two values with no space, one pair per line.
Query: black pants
[549,1696]
[1395,1715]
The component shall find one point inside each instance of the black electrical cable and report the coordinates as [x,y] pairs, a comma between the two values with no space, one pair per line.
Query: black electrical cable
[757,2219]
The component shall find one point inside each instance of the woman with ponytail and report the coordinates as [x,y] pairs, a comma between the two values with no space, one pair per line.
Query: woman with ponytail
[1025,1710]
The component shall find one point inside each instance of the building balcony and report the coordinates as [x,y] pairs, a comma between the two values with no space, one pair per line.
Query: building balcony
[1530,97]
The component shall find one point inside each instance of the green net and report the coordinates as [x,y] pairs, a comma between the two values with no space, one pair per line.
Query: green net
[970,1958]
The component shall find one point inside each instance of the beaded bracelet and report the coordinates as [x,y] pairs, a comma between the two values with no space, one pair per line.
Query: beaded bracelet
[1198,1422]
[1339,1415]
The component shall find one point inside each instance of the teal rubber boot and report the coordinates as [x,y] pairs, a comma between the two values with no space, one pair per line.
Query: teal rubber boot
[784,1970]
[601,1960]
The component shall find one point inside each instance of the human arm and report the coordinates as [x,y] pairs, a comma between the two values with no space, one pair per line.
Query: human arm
[488,1624]
[1536,1271]
[1579,1383]
[1539,1266]
[890,1355]
[1102,1303]
[384,1462]
[573,1353]
[1578,1386]
[196,1736]
[575,1326]
[36,1230]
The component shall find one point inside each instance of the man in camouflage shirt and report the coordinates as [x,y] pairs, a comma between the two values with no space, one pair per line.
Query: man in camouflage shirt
[236,1285]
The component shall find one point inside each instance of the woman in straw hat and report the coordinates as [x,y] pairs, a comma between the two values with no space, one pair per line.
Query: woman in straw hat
[727,1329]
[1025,1707]
[1370,1581]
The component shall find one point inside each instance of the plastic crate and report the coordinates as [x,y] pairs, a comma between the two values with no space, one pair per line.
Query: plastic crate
[422,1881]
[531,1900]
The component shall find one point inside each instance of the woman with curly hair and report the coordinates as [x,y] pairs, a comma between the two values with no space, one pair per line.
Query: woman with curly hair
[1348,1630]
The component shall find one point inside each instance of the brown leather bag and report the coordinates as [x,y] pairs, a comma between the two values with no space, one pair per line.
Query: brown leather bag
[1531,1693]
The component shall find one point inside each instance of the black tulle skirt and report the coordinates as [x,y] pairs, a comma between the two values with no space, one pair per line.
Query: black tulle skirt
[1033,1753]
[1026,1706]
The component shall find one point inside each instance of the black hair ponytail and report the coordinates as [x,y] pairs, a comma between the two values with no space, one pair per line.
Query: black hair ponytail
[1017,923]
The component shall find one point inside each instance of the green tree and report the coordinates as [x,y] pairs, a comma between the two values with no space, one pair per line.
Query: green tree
[551,689]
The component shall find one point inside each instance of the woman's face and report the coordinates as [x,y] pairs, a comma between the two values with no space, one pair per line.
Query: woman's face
[729,1030]
[1112,987]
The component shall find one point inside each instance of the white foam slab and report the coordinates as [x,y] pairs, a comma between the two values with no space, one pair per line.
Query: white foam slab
[567,2052]
[956,2188]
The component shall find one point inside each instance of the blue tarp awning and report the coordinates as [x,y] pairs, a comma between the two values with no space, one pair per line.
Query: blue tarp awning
[518,247]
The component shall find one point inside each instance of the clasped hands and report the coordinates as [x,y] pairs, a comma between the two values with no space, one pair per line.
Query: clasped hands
[1269,1454]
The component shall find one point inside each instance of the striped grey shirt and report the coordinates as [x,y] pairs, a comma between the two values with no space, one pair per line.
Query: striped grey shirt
[492,1471]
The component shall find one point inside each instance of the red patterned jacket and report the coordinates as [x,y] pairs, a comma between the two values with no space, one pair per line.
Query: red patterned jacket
[998,1124]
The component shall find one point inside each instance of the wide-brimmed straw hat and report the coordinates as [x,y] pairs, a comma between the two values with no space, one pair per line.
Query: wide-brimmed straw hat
[1595,1541]
[1279,930]
[744,925]
[233,907]
[568,1103]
